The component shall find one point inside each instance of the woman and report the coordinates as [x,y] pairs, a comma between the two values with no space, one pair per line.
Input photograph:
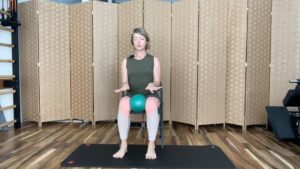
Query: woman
[140,74]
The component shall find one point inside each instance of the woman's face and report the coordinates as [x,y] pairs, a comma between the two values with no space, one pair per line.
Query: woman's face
[139,42]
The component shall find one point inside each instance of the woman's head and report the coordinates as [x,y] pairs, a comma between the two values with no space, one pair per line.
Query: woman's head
[140,39]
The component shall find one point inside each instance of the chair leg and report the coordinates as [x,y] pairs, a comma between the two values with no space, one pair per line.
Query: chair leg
[162,135]
[161,127]
[143,124]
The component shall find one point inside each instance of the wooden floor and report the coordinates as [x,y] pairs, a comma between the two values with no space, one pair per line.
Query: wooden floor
[45,147]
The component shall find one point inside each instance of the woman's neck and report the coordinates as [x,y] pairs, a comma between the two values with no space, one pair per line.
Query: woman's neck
[139,54]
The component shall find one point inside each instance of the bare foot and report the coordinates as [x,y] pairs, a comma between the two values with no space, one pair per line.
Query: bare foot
[122,151]
[151,155]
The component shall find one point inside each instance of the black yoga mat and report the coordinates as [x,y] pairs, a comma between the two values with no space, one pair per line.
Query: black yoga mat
[170,157]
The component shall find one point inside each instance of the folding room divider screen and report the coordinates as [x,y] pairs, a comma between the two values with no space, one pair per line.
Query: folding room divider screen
[215,57]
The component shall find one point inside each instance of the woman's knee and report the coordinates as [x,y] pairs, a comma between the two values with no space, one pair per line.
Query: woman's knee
[152,103]
[124,105]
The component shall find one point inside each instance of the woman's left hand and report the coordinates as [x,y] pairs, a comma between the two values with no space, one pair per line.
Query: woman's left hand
[151,87]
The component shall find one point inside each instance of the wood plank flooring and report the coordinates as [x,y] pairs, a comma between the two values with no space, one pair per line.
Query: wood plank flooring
[45,147]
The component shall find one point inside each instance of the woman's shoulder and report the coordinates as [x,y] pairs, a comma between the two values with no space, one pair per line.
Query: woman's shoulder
[155,58]
[151,57]
[124,61]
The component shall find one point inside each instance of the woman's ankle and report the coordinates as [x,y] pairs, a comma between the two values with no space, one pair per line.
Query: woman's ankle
[151,143]
[123,143]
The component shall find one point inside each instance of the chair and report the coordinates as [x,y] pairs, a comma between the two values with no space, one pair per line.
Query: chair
[292,99]
[285,123]
[160,112]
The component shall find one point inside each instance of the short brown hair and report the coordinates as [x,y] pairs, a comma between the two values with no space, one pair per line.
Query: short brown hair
[142,32]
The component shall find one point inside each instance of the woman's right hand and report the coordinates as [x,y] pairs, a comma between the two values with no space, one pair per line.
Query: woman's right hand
[122,89]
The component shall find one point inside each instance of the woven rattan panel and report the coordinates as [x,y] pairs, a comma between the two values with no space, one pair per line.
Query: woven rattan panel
[285,52]
[157,22]
[28,46]
[81,34]
[54,59]
[130,17]
[212,61]
[235,78]
[258,60]
[105,33]
[184,61]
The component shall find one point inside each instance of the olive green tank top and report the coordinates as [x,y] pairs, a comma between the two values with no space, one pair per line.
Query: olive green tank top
[140,74]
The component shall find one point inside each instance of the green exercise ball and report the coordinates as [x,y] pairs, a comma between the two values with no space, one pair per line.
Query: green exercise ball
[137,103]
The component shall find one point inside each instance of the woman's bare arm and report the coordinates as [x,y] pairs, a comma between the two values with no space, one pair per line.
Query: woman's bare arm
[124,77]
[156,72]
